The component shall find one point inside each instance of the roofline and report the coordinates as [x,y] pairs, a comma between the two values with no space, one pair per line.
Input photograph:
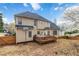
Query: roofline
[16,15]
[33,19]
[25,17]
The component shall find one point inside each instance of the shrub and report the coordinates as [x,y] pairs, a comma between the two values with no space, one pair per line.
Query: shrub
[14,34]
[1,31]
[72,32]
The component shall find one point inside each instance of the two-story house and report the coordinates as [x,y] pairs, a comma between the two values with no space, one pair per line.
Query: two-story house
[29,24]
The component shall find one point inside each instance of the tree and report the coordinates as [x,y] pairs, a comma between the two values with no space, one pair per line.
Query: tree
[1,23]
[72,14]
[11,27]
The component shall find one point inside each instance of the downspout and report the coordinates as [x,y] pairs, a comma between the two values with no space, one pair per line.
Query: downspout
[25,35]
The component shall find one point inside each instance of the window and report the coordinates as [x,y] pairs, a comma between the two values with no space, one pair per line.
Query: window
[30,34]
[38,32]
[54,32]
[35,22]
[48,33]
[44,33]
[20,21]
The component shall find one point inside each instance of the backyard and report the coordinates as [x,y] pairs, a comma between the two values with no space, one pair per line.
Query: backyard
[61,47]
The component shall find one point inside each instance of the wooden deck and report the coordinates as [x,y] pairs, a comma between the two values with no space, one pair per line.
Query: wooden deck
[7,40]
[48,39]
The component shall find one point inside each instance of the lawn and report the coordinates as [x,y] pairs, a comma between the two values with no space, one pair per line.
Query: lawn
[61,47]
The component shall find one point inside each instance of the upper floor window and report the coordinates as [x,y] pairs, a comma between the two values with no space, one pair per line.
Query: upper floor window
[19,21]
[35,22]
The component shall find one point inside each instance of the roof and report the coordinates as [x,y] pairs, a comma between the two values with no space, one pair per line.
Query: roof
[35,16]
[54,26]
[32,15]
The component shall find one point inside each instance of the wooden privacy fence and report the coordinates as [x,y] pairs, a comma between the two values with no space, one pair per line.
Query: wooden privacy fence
[5,40]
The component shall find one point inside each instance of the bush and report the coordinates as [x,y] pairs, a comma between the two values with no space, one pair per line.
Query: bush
[1,31]
[75,31]
[71,32]
[68,33]
[14,34]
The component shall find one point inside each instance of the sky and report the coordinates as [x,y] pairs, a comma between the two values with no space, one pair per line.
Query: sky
[50,11]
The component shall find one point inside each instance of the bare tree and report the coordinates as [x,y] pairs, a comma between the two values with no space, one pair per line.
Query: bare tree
[11,27]
[72,15]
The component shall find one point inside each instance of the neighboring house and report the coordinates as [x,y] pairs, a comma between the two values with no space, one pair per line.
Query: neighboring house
[9,27]
[5,27]
[29,24]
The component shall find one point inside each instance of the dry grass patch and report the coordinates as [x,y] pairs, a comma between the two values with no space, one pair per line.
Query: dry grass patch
[61,47]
